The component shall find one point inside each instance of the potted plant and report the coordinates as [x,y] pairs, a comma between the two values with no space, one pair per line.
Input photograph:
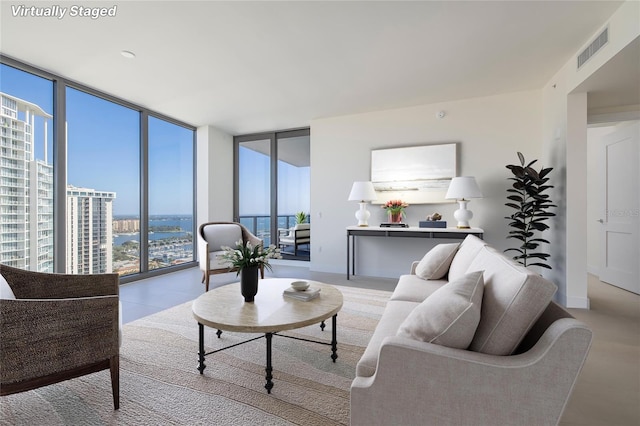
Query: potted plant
[395,210]
[531,207]
[301,217]
[248,260]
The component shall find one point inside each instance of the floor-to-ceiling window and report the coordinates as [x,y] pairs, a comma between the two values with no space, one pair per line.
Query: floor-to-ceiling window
[254,186]
[273,175]
[26,170]
[103,186]
[171,189]
[121,195]
[294,186]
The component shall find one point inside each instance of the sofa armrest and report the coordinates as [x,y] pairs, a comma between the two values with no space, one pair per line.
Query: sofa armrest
[414,265]
[423,383]
[46,336]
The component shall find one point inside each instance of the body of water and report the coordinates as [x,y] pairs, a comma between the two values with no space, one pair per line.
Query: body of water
[185,223]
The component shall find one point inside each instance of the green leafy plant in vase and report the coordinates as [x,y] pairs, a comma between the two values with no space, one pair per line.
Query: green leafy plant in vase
[301,217]
[248,259]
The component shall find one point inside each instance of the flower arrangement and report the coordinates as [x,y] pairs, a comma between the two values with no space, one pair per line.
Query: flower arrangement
[245,255]
[395,210]
[395,206]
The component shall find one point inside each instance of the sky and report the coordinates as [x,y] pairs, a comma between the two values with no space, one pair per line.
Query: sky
[103,153]
[104,150]
[293,185]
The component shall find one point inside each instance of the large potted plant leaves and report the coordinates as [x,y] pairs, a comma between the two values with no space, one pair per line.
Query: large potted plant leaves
[531,204]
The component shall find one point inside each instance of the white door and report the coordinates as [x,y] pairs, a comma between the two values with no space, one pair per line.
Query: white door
[620,235]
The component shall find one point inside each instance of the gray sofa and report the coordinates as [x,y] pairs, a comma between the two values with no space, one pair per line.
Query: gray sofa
[517,366]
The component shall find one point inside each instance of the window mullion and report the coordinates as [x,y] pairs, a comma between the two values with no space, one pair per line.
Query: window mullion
[59,176]
[144,191]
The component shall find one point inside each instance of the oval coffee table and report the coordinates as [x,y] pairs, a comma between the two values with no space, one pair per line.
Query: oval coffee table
[224,308]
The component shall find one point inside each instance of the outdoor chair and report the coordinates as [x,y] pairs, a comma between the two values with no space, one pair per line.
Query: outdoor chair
[296,236]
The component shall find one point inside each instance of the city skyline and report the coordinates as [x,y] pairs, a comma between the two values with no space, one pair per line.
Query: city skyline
[103,138]
[103,147]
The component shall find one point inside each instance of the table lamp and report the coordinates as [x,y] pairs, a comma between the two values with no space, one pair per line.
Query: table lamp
[362,192]
[461,189]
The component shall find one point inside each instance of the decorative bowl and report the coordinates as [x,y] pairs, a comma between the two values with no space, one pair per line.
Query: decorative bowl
[300,285]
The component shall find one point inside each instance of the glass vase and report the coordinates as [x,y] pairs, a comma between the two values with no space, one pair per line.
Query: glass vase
[395,217]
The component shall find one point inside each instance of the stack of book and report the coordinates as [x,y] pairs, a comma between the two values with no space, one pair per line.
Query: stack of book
[305,295]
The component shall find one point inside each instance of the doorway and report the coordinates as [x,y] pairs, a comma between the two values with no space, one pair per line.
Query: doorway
[613,203]
[272,189]
[613,99]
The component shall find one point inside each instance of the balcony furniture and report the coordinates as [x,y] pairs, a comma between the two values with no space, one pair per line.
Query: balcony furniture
[295,236]
[212,237]
[271,312]
[513,361]
[409,232]
[56,327]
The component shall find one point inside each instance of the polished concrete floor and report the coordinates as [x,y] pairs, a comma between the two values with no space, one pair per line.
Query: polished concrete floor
[607,392]
[151,295]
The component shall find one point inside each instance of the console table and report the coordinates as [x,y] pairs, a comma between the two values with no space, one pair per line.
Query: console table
[410,232]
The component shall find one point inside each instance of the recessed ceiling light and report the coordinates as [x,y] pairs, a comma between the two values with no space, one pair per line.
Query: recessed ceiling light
[128,54]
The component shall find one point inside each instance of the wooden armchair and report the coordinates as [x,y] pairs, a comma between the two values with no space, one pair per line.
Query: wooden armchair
[58,327]
[212,237]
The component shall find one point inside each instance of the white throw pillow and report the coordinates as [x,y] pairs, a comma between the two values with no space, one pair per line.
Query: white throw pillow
[449,316]
[5,290]
[435,264]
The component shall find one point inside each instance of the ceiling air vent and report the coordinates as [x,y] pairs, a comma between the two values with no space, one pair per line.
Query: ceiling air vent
[591,50]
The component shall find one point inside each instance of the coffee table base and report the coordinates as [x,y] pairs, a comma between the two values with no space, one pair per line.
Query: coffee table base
[268,337]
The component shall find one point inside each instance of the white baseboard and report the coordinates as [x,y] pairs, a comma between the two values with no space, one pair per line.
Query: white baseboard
[571,302]
[578,302]
[593,270]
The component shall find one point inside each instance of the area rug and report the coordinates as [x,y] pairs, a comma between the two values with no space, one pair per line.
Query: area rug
[160,384]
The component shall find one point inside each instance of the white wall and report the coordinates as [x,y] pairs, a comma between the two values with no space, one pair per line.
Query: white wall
[564,148]
[594,198]
[576,201]
[489,132]
[215,175]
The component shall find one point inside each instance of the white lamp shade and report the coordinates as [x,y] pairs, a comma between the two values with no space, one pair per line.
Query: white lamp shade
[362,191]
[463,188]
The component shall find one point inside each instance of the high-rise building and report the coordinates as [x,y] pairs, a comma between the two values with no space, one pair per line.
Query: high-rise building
[26,188]
[124,226]
[89,231]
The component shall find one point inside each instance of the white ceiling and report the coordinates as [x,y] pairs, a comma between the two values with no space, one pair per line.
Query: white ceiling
[616,83]
[255,66]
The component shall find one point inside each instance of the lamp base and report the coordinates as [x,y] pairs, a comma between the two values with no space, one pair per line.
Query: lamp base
[363,215]
[462,215]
